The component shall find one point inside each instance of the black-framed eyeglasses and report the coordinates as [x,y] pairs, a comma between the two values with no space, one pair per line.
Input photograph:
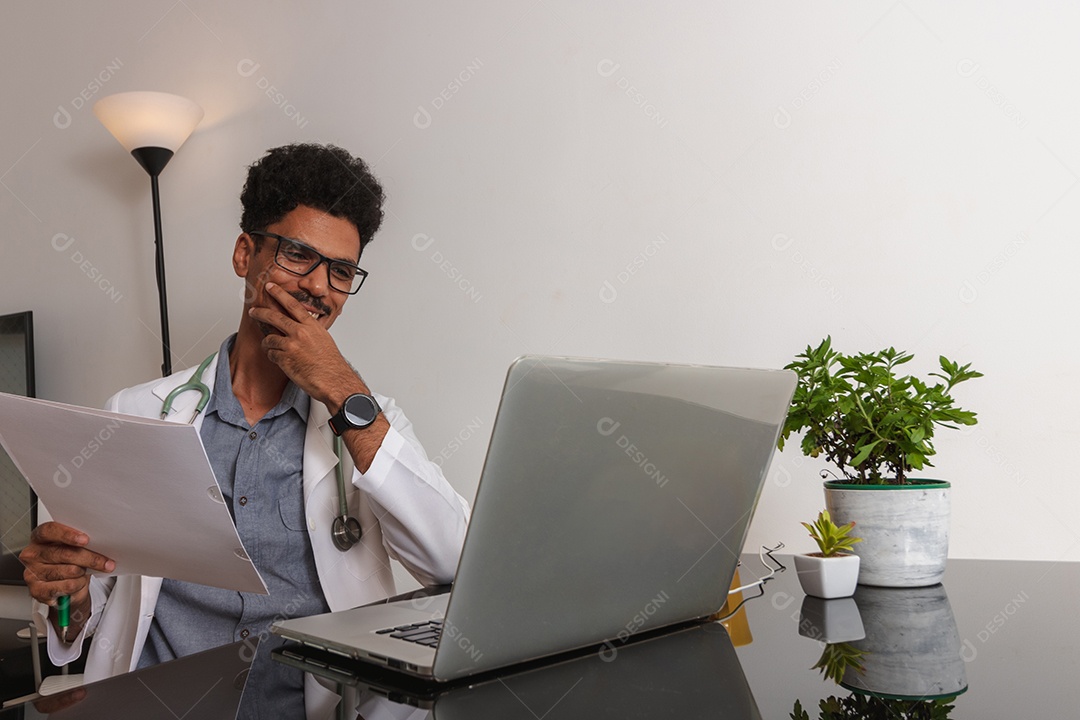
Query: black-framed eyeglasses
[300,259]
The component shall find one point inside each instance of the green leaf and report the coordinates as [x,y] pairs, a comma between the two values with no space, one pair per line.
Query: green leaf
[864,453]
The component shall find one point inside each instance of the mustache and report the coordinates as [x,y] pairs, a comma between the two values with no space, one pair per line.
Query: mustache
[307,299]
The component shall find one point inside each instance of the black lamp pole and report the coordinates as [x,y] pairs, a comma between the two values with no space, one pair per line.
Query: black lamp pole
[154,160]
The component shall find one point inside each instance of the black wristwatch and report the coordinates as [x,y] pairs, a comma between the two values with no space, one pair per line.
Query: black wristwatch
[358,411]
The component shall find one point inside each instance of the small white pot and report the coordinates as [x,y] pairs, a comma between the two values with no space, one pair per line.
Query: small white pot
[828,577]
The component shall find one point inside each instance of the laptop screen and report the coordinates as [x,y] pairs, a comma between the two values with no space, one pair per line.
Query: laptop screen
[615,498]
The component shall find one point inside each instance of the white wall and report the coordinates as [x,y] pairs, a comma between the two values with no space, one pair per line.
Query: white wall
[716,183]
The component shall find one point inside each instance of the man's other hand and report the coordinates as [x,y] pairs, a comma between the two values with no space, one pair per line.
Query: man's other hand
[57,563]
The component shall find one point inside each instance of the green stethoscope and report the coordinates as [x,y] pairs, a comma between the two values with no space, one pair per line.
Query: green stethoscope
[345,531]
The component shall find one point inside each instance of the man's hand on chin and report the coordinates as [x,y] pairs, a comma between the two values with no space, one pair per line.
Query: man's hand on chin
[300,345]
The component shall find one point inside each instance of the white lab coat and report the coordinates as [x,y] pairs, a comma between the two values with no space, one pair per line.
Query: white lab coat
[406,508]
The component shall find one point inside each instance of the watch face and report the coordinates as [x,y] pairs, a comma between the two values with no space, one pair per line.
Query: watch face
[360,410]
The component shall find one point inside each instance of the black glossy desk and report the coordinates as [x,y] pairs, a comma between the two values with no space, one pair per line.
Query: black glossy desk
[16,661]
[1013,626]
[1006,630]
[207,685]
[999,637]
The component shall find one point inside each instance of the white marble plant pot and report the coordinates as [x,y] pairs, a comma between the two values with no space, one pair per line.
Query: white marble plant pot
[828,577]
[904,529]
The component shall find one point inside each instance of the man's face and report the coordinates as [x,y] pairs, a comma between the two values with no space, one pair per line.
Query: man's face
[334,237]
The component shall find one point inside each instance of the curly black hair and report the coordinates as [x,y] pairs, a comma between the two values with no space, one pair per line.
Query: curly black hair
[324,177]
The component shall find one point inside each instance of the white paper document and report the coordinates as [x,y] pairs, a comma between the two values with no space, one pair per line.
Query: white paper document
[141,489]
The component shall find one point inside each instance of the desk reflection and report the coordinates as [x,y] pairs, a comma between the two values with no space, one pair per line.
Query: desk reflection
[688,673]
[206,685]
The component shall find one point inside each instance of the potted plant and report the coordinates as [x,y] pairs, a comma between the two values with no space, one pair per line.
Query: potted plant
[877,427]
[833,571]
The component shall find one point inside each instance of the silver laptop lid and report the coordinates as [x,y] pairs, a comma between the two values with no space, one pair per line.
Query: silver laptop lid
[615,498]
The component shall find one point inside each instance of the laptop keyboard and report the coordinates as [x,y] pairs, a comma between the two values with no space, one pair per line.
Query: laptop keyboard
[422,633]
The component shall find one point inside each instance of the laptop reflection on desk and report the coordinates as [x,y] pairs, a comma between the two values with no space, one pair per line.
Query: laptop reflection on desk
[688,673]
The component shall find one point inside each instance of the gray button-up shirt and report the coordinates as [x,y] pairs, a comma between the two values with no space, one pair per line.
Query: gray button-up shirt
[259,469]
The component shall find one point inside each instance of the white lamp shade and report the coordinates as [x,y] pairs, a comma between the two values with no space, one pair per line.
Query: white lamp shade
[148,119]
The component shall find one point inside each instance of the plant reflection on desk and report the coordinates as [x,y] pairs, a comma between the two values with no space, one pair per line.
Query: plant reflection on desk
[868,707]
[836,658]
[908,665]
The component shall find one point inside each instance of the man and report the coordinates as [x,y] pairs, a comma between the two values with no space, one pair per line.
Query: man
[308,212]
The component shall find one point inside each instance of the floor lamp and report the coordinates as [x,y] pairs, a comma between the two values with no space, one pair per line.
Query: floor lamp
[152,126]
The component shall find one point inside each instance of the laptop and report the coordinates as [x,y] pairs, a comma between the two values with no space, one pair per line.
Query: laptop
[615,499]
[690,672]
